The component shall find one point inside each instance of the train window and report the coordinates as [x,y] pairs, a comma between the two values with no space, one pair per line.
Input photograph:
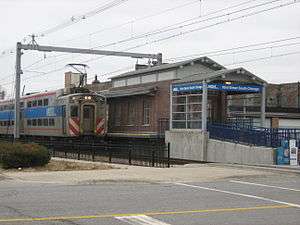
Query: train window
[45,122]
[12,122]
[29,104]
[40,122]
[74,111]
[51,122]
[28,122]
[40,102]
[34,103]
[34,122]
[46,102]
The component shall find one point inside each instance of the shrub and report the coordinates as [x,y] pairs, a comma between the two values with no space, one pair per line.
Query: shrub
[23,155]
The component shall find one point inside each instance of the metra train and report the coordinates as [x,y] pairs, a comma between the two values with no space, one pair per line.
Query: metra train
[55,114]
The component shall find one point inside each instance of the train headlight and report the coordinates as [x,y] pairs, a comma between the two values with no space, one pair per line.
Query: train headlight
[87,97]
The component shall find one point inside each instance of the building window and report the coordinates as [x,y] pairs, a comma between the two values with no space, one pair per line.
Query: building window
[146,112]
[34,122]
[149,78]
[46,102]
[131,113]
[28,122]
[74,111]
[133,81]
[118,114]
[119,83]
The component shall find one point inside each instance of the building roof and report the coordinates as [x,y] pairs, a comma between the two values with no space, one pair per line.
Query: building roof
[211,76]
[129,92]
[203,60]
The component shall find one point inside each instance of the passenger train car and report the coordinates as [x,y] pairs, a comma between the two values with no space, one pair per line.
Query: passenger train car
[55,114]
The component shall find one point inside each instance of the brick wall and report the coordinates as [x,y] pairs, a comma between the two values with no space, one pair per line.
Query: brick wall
[159,102]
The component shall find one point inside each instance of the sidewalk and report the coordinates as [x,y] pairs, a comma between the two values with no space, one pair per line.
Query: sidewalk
[177,173]
[278,168]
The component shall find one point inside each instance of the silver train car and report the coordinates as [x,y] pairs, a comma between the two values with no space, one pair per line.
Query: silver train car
[54,114]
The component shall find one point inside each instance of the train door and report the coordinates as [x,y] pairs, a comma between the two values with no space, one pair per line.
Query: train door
[64,119]
[88,118]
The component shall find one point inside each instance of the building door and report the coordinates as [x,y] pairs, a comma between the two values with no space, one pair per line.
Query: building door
[88,119]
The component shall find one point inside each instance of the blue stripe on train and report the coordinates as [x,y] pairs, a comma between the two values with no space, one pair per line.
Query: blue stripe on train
[7,115]
[40,112]
[32,113]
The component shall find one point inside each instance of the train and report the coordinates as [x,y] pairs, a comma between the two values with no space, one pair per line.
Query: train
[57,114]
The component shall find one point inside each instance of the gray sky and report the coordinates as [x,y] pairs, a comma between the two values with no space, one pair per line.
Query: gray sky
[20,18]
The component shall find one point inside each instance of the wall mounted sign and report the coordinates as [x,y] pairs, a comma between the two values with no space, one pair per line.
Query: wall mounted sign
[178,88]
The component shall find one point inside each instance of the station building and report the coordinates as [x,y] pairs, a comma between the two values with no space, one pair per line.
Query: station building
[139,101]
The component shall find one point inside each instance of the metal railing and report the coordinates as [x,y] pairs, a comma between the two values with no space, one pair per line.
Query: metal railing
[154,154]
[269,137]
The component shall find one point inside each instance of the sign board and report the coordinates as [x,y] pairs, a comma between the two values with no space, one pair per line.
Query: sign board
[293,153]
[217,87]
[283,153]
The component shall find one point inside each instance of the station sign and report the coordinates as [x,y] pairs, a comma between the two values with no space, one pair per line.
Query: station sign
[217,87]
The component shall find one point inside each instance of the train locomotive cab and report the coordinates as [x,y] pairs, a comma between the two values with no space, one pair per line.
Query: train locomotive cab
[86,115]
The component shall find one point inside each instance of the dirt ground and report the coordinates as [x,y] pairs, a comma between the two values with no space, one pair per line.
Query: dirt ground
[60,165]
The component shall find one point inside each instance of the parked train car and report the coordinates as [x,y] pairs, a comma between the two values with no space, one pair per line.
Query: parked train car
[54,114]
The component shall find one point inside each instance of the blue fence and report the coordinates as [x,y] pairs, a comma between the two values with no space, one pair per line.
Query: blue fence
[252,135]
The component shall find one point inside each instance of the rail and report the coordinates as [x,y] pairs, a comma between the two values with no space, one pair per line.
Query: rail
[258,136]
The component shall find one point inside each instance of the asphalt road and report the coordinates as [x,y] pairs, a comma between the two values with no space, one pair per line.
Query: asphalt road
[268,200]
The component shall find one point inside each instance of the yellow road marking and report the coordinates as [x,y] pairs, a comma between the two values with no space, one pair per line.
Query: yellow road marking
[146,213]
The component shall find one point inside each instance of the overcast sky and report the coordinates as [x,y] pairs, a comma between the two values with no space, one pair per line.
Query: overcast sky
[21,18]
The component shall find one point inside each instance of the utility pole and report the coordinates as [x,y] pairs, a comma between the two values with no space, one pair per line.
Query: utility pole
[34,46]
[17,91]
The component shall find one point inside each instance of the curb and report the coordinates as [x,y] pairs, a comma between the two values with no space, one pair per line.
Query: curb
[262,167]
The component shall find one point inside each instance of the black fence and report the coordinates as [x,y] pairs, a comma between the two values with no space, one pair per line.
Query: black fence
[269,137]
[141,153]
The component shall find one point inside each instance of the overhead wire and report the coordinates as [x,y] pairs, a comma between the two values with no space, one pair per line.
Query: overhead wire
[182,33]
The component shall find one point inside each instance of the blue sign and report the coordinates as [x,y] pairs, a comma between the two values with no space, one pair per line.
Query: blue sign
[218,87]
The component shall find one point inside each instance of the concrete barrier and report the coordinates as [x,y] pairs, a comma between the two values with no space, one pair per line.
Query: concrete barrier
[226,152]
[187,144]
[196,146]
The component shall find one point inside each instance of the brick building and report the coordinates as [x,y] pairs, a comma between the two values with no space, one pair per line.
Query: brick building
[139,101]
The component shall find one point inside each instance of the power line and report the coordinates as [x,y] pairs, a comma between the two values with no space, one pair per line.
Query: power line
[206,27]
[134,21]
[181,33]
[74,19]
[238,48]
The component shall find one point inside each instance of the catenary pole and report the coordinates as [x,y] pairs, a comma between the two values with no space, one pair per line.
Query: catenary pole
[17,91]
[35,47]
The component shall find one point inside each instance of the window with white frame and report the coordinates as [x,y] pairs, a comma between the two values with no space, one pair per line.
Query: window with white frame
[187,111]
[146,112]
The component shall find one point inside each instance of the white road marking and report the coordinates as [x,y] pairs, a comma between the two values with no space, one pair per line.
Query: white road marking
[239,194]
[264,185]
[141,220]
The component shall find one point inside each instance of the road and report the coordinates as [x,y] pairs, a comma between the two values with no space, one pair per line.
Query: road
[272,199]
